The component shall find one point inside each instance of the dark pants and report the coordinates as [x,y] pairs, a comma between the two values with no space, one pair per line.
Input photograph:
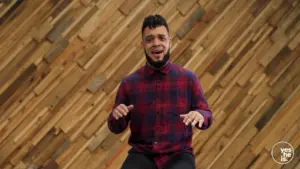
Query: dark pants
[141,161]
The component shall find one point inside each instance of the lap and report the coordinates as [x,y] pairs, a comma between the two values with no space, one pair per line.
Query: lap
[138,161]
[142,161]
[183,160]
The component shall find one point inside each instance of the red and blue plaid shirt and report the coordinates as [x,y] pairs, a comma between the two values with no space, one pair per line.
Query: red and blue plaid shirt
[159,97]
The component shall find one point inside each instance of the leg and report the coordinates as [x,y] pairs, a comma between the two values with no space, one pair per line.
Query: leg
[182,161]
[138,161]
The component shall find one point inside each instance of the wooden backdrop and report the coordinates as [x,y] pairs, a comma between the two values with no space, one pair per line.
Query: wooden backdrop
[61,62]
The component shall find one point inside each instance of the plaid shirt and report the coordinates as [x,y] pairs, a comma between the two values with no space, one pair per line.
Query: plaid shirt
[159,97]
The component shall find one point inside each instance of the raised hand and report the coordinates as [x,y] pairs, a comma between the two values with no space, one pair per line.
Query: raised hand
[193,117]
[121,111]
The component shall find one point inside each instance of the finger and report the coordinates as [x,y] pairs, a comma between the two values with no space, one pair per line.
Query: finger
[123,110]
[201,120]
[195,121]
[130,107]
[183,115]
[185,120]
[200,123]
[192,117]
[188,120]
[117,114]
[201,116]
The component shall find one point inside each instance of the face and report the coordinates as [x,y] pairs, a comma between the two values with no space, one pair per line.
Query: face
[156,42]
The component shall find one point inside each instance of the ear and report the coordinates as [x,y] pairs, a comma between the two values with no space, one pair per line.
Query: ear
[142,44]
[142,41]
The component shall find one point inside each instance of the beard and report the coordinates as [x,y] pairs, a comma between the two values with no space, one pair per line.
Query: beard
[160,63]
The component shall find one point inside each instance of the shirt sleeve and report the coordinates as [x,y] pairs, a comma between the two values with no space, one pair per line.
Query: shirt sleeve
[199,103]
[114,125]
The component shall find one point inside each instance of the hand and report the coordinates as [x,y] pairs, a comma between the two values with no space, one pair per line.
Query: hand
[193,117]
[121,111]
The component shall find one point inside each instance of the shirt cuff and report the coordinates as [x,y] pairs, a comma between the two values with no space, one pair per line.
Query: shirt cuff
[116,126]
[207,119]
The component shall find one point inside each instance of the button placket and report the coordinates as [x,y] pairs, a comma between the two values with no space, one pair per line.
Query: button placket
[158,112]
[157,88]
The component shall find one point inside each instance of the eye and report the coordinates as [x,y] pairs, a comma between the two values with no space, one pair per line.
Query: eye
[148,39]
[162,38]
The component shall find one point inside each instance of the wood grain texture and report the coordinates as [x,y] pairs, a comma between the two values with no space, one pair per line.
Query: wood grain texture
[61,63]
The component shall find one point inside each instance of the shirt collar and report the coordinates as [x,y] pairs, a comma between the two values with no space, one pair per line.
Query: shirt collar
[150,70]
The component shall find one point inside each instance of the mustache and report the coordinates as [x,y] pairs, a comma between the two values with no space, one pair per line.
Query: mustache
[168,52]
[157,47]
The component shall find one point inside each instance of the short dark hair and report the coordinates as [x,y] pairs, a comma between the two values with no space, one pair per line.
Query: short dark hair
[153,21]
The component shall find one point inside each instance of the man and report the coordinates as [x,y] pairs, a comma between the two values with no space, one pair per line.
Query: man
[162,102]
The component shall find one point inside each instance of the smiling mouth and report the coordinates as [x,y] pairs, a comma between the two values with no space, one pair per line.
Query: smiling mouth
[157,52]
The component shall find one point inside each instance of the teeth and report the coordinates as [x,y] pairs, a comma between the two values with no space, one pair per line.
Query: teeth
[157,52]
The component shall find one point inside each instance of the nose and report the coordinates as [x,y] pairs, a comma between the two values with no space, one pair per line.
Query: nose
[156,42]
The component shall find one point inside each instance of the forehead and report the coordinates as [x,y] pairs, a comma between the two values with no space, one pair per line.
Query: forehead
[159,30]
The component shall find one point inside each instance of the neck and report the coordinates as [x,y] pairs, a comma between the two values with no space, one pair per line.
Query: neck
[155,67]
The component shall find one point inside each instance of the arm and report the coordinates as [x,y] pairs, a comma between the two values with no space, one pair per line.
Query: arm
[114,125]
[199,103]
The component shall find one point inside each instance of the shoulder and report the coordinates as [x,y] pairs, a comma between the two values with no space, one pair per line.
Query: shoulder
[181,71]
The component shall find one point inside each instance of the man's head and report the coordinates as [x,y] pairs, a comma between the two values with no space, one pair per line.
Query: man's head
[156,40]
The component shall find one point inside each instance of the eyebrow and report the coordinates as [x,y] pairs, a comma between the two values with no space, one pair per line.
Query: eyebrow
[153,35]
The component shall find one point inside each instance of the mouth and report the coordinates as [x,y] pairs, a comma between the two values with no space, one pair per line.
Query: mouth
[157,53]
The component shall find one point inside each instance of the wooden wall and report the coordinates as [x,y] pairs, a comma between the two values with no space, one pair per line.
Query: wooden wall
[61,62]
